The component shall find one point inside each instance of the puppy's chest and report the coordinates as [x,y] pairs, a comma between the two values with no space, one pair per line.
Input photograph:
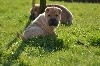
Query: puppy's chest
[47,29]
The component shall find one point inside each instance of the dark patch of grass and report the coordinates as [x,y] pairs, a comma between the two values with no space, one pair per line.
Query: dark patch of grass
[49,43]
[94,41]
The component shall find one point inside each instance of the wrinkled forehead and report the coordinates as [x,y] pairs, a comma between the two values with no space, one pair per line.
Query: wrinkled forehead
[53,11]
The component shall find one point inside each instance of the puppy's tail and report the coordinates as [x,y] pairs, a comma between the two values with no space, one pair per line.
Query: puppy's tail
[21,36]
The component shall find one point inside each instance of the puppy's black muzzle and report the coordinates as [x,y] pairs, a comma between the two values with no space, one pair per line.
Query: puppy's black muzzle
[53,22]
[32,16]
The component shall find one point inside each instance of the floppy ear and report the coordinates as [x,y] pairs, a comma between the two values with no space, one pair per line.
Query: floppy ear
[47,10]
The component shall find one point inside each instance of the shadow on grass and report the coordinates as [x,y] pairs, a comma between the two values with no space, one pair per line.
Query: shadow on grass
[48,44]
[15,39]
[95,42]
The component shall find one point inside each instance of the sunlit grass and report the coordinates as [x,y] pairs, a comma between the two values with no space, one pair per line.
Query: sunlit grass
[76,45]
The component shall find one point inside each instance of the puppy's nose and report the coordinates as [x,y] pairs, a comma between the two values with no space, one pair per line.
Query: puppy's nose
[53,20]
[32,16]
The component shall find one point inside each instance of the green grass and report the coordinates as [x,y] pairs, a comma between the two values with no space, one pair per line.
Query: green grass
[76,45]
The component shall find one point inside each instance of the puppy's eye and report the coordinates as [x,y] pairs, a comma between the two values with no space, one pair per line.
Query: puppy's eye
[56,15]
[49,15]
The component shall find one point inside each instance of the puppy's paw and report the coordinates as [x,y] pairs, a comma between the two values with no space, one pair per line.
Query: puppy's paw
[21,36]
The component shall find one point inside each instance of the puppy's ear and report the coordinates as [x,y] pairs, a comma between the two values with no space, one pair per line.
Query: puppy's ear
[47,10]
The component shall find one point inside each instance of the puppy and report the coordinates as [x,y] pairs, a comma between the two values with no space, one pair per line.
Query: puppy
[66,15]
[44,24]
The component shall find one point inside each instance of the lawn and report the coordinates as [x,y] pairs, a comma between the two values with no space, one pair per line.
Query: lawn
[76,45]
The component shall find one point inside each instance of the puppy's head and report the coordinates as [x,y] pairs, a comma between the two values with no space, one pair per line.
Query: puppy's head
[67,19]
[34,12]
[53,15]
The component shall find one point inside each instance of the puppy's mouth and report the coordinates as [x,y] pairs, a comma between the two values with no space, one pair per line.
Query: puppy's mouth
[53,22]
